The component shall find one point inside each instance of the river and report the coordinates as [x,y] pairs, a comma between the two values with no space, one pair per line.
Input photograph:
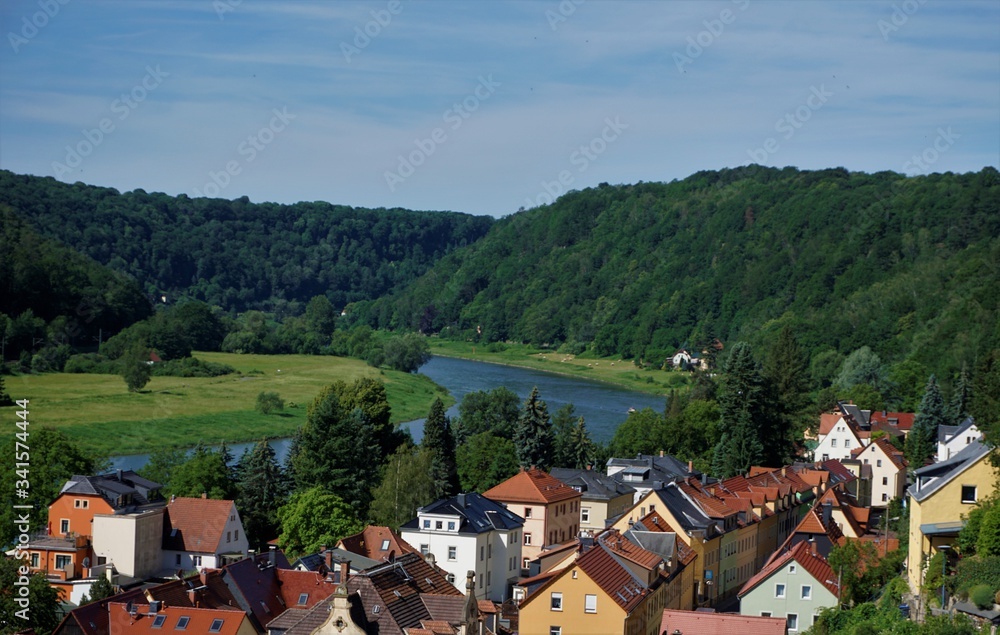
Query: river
[603,406]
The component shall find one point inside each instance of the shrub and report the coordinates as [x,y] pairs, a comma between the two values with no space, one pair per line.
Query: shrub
[268,402]
[190,367]
[982,596]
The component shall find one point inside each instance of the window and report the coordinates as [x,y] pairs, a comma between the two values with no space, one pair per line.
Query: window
[489,550]
[216,626]
[236,534]
[779,590]
[589,603]
[833,443]
[585,515]
[451,525]
[425,549]
[64,526]
[826,457]
[197,561]
[878,462]
[452,553]
[438,524]
[82,503]
[303,599]
[765,613]
[177,560]
[63,561]
[482,553]
[527,512]
[555,630]
[451,578]
[159,620]
[182,622]
[229,536]
[885,498]
[793,622]
[34,560]
[385,544]
[885,480]
[489,578]
[427,524]
[807,592]
[527,538]
[847,443]
[524,563]
[968,493]
[556,601]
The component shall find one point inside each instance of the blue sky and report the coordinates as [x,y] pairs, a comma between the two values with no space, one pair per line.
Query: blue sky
[486,107]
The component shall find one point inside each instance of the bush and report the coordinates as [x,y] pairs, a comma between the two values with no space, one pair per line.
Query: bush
[982,596]
[92,363]
[190,367]
[268,402]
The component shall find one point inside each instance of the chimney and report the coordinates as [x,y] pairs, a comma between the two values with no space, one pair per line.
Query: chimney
[827,511]
[328,556]
[119,475]
[812,546]
[204,495]
[203,574]
[429,559]
[345,571]
[461,500]
[192,597]
[270,554]
[661,454]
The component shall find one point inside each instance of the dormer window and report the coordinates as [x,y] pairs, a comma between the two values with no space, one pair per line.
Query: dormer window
[385,544]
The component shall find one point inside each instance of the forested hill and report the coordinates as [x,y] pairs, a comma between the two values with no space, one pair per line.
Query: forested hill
[908,266]
[237,254]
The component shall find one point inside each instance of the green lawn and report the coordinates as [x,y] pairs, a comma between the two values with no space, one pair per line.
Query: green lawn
[612,370]
[103,417]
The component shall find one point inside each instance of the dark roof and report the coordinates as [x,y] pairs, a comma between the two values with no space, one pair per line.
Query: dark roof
[650,470]
[946,433]
[92,619]
[593,485]
[690,516]
[122,489]
[944,471]
[254,584]
[476,513]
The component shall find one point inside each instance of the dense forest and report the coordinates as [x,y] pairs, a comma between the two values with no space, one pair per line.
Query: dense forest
[236,254]
[907,266]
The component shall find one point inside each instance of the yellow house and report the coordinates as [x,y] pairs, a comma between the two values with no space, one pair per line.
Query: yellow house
[940,495]
[596,595]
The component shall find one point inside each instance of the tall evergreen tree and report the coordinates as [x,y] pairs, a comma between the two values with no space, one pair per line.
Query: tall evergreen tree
[563,422]
[922,440]
[337,449]
[438,438]
[533,436]
[581,448]
[985,407]
[744,423]
[961,398]
[262,488]
[5,399]
[786,374]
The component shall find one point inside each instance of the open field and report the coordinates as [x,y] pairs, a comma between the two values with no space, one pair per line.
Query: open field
[612,370]
[99,413]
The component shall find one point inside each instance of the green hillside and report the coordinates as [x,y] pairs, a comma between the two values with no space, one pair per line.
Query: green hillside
[908,266]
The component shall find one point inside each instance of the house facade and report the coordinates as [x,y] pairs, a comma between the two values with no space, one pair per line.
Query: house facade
[888,470]
[202,533]
[839,434]
[131,543]
[953,439]
[602,497]
[469,532]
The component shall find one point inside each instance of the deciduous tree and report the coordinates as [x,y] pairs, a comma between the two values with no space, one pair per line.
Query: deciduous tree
[313,518]
[204,472]
[485,460]
[406,485]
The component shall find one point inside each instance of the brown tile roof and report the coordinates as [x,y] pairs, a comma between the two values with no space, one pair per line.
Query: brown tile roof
[487,607]
[616,581]
[836,468]
[801,553]
[827,422]
[207,590]
[369,541]
[195,524]
[900,420]
[654,522]
[704,623]
[92,619]
[256,582]
[713,506]
[623,547]
[857,517]
[294,584]
[199,620]
[532,486]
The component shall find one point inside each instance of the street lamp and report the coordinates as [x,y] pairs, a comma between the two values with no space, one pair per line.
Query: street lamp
[944,569]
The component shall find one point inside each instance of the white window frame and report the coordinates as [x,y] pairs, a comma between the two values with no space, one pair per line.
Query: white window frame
[584,514]
[783,588]
[792,620]
[556,601]
[590,603]
[452,553]
[975,494]
[805,592]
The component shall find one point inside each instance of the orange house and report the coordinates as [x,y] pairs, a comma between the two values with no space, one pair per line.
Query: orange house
[82,497]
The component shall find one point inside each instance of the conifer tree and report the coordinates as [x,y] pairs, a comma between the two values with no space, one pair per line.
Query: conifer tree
[533,436]
[563,422]
[922,440]
[961,398]
[581,448]
[439,439]
[985,407]
[742,417]
[261,490]
[786,372]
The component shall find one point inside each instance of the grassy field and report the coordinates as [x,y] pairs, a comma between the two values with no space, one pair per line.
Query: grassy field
[611,370]
[103,417]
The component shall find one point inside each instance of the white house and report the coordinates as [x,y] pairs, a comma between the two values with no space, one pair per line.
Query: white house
[888,470]
[838,435]
[469,532]
[202,533]
[954,439]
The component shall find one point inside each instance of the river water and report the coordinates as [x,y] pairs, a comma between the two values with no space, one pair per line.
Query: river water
[603,406]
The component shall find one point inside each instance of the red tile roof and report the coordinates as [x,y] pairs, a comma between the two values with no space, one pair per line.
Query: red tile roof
[92,619]
[615,580]
[654,522]
[369,542]
[621,546]
[857,517]
[827,421]
[801,553]
[901,420]
[295,584]
[195,524]
[198,620]
[704,623]
[532,486]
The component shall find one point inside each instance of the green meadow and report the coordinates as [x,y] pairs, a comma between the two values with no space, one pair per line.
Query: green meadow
[98,413]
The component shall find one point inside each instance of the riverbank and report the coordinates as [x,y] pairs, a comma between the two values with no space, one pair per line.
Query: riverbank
[615,371]
[102,417]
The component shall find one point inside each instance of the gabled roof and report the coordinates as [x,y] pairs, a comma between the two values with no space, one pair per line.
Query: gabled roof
[196,524]
[690,516]
[199,620]
[615,579]
[476,514]
[706,623]
[857,517]
[893,454]
[254,584]
[621,546]
[208,590]
[652,523]
[814,564]
[593,485]
[944,472]
[531,486]
[899,420]
[92,619]
[649,470]
[376,542]
[947,433]
[121,489]
[838,473]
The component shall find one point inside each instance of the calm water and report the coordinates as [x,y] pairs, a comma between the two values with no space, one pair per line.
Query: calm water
[603,406]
